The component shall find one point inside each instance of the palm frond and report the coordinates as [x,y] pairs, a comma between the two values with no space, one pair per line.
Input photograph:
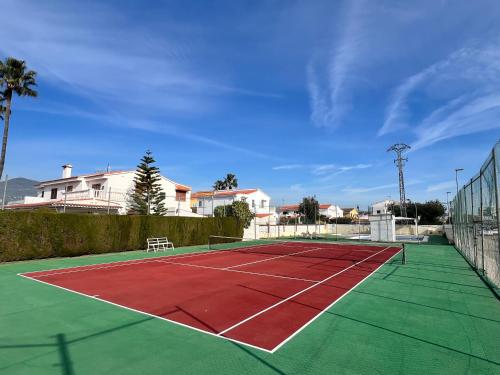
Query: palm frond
[15,77]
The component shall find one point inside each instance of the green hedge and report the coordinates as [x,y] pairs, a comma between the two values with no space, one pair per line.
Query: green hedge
[34,235]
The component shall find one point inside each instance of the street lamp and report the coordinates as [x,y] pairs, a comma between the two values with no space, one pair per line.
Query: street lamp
[456,176]
[448,205]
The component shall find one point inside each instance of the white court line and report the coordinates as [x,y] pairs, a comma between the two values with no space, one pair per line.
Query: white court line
[148,314]
[297,294]
[229,270]
[276,257]
[90,267]
[329,306]
[86,269]
[200,330]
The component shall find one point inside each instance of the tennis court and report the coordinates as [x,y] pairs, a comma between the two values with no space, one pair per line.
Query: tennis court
[259,295]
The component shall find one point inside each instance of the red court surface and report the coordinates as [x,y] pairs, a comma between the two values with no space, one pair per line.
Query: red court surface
[259,296]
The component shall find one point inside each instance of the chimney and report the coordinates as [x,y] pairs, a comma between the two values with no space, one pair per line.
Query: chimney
[66,170]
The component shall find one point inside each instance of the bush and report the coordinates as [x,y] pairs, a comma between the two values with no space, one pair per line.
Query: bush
[343,220]
[238,209]
[34,235]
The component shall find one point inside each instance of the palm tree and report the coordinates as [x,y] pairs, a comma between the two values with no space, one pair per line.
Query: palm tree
[2,108]
[14,78]
[230,181]
[219,185]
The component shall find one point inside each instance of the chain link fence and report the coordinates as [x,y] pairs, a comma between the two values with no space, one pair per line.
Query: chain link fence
[475,220]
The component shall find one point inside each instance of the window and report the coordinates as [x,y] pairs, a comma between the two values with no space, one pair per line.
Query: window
[180,195]
[200,203]
[262,203]
[53,193]
[378,211]
[96,186]
[253,202]
[243,199]
[43,193]
[69,189]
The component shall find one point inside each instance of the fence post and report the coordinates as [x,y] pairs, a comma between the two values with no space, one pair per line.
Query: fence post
[467,218]
[109,198]
[65,197]
[4,191]
[474,239]
[481,223]
[254,223]
[496,194]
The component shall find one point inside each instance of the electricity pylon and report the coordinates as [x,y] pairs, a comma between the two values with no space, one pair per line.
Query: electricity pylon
[398,148]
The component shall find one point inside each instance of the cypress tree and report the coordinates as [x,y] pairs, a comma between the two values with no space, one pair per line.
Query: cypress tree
[148,196]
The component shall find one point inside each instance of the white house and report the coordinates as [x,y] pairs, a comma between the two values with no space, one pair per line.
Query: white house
[100,192]
[204,202]
[382,207]
[328,210]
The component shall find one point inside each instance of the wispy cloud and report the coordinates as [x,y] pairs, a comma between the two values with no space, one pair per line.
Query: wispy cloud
[329,172]
[297,188]
[357,166]
[87,49]
[156,127]
[287,167]
[440,186]
[369,189]
[462,91]
[479,114]
[322,169]
[328,73]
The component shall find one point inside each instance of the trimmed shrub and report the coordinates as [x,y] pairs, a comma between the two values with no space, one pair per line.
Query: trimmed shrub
[343,220]
[35,235]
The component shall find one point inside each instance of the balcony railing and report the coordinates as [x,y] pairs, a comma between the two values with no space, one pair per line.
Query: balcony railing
[95,194]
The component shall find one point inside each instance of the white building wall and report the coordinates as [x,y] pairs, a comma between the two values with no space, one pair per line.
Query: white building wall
[332,211]
[258,202]
[117,187]
[382,207]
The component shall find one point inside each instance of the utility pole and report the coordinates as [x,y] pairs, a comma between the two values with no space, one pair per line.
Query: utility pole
[399,148]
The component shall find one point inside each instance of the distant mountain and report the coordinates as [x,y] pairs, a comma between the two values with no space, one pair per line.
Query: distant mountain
[18,188]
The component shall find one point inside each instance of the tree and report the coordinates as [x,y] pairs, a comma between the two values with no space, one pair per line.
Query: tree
[230,181]
[430,212]
[14,78]
[2,108]
[309,208]
[219,185]
[238,209]
[148,196]
[222,211]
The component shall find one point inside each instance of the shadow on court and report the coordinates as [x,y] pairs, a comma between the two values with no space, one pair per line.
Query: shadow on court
[393,331]
[61,344]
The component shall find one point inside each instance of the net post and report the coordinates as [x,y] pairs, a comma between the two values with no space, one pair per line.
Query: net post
[403,260]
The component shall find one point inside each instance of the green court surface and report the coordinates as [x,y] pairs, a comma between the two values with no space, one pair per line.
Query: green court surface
[430,316]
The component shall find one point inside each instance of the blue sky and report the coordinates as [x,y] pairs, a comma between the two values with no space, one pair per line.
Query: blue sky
[295,97]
